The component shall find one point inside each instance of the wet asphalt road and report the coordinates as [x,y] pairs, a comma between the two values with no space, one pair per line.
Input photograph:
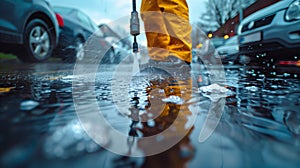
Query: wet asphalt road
[260,124]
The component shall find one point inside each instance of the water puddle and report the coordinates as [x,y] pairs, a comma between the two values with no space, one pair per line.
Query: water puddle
[260,124]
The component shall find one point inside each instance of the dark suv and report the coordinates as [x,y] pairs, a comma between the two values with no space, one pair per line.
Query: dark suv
[30,26]
[75,28]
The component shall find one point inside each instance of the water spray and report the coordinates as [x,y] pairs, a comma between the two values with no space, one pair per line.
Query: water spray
[135,31]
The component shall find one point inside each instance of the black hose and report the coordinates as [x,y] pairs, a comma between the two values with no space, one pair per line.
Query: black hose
[134,5]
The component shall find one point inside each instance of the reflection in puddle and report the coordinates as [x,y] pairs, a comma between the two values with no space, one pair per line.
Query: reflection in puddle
[156,106]
[68,141]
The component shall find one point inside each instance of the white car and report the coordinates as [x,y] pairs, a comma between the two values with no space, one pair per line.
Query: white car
[272,34]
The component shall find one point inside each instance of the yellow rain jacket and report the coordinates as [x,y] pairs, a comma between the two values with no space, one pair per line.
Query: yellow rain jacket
[167,28]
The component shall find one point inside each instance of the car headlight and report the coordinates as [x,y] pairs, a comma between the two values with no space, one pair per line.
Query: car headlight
[293,12]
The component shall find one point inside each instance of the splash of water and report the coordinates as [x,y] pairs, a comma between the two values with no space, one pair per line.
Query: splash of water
[136,66]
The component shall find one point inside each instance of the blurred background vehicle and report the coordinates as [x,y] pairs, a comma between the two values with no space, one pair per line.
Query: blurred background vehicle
[272,34]
[229,51]
[120,46]
[204,50]
[75,29]
[28,29]
[120,49]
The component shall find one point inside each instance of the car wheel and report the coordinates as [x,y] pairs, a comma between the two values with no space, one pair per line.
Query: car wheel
[76,53]
[38,42]
[117,58]
[110,56]
[79,49]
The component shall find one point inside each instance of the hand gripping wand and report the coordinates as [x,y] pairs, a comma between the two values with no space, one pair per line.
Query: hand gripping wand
[134,26]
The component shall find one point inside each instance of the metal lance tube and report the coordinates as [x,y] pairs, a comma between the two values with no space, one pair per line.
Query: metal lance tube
[134,26]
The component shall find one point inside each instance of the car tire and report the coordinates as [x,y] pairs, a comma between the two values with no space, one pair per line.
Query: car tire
[38,42]
[77,53]
[117,59]
[109,56]
[79,48]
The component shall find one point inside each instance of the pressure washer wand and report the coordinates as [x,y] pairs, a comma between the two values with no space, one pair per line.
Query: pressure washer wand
[134,26]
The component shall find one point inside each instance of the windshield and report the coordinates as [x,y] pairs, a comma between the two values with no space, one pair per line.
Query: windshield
[62,10]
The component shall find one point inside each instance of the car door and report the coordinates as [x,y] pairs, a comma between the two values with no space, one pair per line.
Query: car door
[8,15]
[8,27]
[12,18]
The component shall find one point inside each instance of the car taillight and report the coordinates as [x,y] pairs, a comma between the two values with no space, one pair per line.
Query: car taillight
[60,20]
[293,11]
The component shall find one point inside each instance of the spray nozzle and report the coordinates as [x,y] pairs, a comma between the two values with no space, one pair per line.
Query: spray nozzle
[134,26]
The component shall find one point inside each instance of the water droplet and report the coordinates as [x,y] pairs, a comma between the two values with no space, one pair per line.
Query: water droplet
[151,123]
[28,105]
